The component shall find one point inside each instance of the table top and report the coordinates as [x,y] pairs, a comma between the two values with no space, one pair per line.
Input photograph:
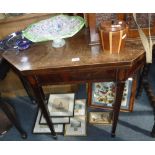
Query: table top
[76,53]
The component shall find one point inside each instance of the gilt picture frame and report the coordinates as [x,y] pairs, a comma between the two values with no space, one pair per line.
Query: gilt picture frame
[104,117]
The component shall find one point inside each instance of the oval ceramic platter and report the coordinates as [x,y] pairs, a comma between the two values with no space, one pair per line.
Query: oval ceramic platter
[60,26]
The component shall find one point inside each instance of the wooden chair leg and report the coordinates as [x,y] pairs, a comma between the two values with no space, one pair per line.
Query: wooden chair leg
[149,92]
[13,119]
[153,129]
[140,87]
[143,76]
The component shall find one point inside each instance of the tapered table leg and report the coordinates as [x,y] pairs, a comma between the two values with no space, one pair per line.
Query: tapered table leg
[39,95]
[119,95]
[27,88]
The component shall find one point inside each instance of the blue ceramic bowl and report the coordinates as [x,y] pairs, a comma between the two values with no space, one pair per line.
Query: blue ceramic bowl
[15,41]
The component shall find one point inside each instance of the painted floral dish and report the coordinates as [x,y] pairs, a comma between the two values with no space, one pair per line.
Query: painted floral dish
[15,41]
[57,27]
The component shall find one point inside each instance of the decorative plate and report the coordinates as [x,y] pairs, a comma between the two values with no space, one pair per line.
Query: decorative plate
[57,27]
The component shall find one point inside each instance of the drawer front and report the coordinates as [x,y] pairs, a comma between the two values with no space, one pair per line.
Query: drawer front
[77,76]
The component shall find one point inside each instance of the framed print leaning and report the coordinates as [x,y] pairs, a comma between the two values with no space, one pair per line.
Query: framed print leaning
[61,104]
[102,95]
[77,126]
[55,120]
[40,128]
[80,107]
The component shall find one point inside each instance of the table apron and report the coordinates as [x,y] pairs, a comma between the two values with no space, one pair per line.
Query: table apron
[77,76]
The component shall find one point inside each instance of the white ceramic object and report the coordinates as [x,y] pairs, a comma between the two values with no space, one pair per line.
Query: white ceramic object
[55,28]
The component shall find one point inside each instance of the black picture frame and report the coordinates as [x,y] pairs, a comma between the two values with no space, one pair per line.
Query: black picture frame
[44,129]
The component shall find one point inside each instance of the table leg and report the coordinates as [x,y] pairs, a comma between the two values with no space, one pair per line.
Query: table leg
[40,100]
[28,89]
[42,92]
[117,105]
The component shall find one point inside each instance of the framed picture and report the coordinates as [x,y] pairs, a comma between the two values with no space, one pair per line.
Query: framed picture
[61,104]
[77,126]
[80,107]
[38,128]
[102,95]
[55,120]
[100,117]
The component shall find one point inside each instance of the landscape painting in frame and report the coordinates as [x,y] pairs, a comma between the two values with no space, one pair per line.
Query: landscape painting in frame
[61,104]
